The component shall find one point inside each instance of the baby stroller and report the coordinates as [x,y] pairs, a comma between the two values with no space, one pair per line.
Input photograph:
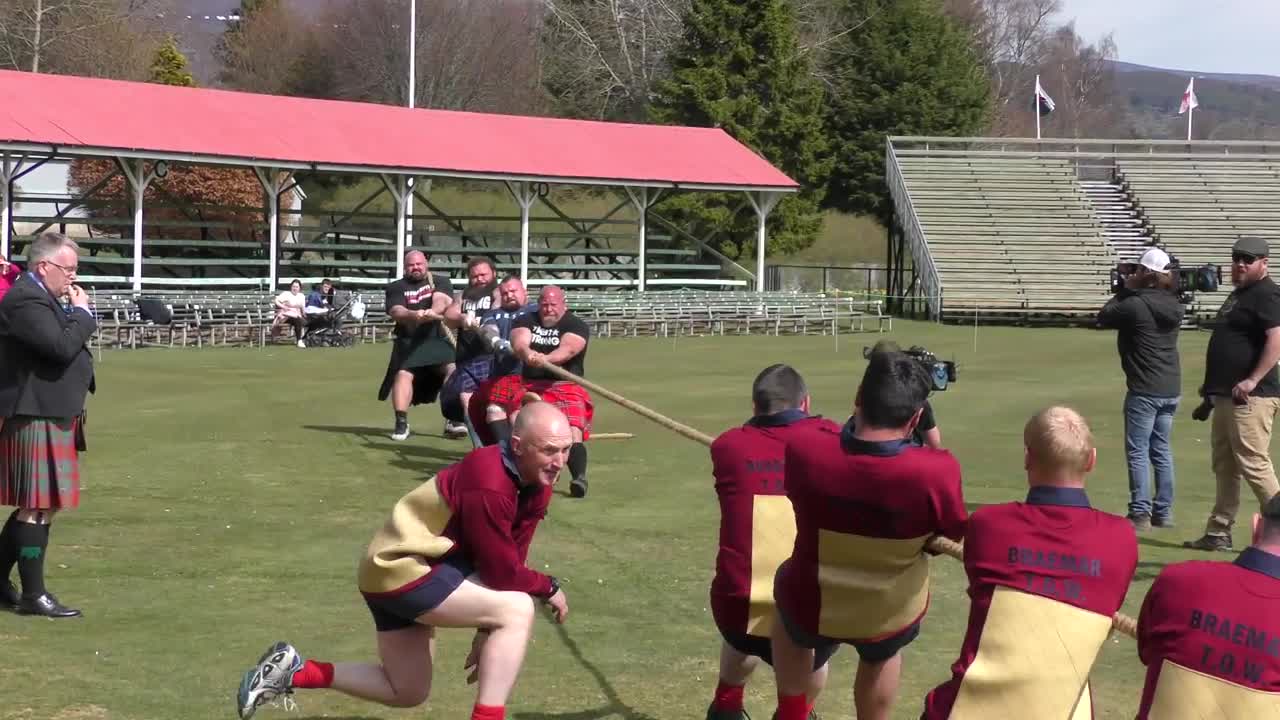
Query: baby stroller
[325,329]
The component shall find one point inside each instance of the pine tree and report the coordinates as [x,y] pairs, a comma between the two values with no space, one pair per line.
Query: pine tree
[738,67]
[169,65]
[908,69]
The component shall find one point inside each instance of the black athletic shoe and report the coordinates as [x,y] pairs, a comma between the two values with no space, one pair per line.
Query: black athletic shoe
[1162,522]
[1210,543]
[578,487]
[714,714]
[402,430]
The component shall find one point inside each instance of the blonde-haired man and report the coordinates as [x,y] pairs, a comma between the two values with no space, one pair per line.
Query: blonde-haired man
[1051,562]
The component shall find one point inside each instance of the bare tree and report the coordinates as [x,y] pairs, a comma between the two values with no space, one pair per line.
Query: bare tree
[259,52]
[1012,36]
[39,35]
[471,54]
[603,58]
[1083,78]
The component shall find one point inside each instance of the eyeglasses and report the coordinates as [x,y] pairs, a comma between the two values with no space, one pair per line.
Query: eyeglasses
[1245,259]
[69,270]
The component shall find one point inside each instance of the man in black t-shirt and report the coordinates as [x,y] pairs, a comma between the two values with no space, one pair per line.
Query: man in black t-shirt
[926,432]
[557,337]
[421,354]
[473,362]
[1242,390]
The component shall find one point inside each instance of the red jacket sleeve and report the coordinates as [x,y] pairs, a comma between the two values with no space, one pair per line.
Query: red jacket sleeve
[487,522]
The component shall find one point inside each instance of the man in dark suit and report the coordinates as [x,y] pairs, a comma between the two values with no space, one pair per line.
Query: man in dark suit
[46,371]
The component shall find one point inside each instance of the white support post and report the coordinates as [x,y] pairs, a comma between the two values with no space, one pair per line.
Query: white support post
[399,189]
[135,172]
[643,200]
[524,194]
[9,166]
[763,205]
[272,183]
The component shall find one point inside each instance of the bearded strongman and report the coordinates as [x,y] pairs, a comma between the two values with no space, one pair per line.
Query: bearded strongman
[421,355]
[46,371]
[473,363]
[554,336]
[1045,578]
[1209,634]
[866,503]
[453,553]
[757,530]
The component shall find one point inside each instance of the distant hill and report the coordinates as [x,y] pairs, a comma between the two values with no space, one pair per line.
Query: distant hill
[1232,106]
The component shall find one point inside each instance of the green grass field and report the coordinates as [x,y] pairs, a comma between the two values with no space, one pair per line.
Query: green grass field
[227,495]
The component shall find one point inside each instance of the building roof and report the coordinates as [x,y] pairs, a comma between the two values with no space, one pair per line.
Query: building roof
[71,115]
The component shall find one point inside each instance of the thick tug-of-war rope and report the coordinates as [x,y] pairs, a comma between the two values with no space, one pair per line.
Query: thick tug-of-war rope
[944,546]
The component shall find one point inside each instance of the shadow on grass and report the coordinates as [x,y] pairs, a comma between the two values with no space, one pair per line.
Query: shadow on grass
[362,431]
[615,706]
[1153,542]
[331,717]
[1148,570]
[414,458]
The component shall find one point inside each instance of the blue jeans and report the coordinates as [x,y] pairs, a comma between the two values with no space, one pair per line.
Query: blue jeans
[1148,422]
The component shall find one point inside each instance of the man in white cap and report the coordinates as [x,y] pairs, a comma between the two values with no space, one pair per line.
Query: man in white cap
[1146,314]
[1242,390]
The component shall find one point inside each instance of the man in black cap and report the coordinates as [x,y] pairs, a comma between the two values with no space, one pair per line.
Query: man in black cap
[1242,390]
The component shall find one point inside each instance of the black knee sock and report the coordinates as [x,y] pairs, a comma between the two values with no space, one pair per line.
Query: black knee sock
[578,460]
[8,547]
[32,542]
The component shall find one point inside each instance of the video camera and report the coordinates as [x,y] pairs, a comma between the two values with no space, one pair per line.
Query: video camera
[1187,281]
[941,372]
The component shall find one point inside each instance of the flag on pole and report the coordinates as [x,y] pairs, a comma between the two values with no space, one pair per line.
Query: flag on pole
[1189,101]
[1044,103]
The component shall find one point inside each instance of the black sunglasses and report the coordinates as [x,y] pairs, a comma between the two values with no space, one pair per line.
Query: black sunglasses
[1242,258]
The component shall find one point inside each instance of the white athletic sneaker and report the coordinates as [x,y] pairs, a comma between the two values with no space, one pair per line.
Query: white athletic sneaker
[271,678]
[453,430]
[401,431]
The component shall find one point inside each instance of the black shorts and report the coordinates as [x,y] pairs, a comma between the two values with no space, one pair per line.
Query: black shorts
[762,648]
[401,610]
[876,651]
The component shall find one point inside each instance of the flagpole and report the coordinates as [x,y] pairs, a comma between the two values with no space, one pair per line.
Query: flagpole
[1036,100]
[1190,106]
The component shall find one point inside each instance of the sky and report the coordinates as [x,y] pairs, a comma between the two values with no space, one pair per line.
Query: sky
[1221,36]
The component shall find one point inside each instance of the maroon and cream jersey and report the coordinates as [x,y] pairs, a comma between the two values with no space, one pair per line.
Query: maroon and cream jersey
[757,526]
[1045,578]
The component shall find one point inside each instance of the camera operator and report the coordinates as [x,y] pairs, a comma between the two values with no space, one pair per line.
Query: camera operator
[926,432]
[1147,315]
[1242,390]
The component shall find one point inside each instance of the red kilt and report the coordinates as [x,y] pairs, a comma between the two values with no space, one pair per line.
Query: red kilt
[507,392]
[39,464]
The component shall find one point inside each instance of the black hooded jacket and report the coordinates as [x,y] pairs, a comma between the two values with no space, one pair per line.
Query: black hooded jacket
[1147,321]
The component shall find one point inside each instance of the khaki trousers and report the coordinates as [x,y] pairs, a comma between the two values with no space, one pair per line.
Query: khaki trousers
[1241,447]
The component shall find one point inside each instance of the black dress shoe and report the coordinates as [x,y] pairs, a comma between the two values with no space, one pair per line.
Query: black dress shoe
[9,596]
[46,605]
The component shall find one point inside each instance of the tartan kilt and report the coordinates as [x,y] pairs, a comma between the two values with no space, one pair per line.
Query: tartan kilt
[572,399]
[39,463]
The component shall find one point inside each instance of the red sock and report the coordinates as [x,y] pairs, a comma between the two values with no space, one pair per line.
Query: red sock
[489,712]
[793,707]
[314,675]
[728,698]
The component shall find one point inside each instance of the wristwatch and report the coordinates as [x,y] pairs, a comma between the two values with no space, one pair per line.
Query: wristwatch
[555,588]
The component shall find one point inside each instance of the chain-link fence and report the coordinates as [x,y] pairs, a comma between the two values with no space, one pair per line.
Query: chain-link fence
[870,279]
